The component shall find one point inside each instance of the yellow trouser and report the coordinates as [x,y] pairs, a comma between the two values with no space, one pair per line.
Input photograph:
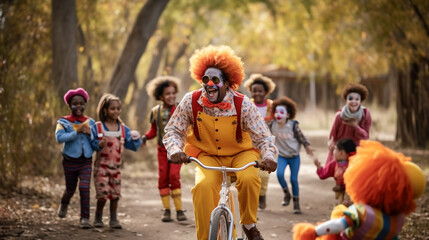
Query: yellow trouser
[265,177]
[205,193]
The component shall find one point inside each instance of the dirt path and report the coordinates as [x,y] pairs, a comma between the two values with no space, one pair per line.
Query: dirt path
[28,215]
[140,209]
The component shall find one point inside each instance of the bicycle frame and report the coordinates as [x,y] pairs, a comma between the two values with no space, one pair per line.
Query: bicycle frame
[224,190]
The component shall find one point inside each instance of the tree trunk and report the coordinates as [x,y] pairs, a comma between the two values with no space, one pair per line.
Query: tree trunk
[143,97]
[135,46]
[182,50]
[64,52]
[412,108]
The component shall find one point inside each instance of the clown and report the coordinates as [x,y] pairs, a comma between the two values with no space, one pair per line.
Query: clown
[383,185]
[353,120]
[225,128]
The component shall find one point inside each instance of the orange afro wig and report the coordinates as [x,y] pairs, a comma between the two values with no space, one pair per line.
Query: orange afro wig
[220,57]
[376,176]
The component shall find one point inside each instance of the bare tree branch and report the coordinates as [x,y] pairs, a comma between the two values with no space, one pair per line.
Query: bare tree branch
[420,16]
[135,46]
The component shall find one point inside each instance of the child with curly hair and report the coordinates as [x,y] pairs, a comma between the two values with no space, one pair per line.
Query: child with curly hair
[111,136]
[353,120]
[165,88]
[289,139]
[344,148]
[74,132]
[260,87]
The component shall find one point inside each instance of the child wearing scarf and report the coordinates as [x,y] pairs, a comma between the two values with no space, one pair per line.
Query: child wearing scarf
[353,121]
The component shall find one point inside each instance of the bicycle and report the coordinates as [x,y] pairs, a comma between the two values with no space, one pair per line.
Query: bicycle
[222,218]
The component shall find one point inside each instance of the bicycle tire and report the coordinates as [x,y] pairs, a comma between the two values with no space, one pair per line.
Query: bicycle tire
[219,226]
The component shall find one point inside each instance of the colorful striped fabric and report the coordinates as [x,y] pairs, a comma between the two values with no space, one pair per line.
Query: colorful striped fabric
[371,223]
[78,170]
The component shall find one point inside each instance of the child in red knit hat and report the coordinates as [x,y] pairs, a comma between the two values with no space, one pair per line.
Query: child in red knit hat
[73,131]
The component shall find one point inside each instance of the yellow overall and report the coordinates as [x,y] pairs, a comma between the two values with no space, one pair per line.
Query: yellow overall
[219,147]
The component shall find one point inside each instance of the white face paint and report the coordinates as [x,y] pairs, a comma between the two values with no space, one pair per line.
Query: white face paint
[215,92]
[353,101]
[280,113]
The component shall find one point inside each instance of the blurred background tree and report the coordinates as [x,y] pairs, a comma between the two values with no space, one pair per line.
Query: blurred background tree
[118,46]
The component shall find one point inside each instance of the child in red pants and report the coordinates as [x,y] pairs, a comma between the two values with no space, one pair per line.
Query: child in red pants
[164,88]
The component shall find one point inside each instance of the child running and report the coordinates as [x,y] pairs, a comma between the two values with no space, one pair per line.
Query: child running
[110,138]
[344,148]
[260,87]
[164,88]
[289,139]
[74,132]
[353,120]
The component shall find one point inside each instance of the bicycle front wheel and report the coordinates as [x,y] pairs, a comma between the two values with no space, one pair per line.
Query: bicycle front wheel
[219,225]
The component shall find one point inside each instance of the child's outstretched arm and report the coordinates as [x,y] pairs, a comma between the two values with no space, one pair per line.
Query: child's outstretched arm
[309,150]
[96,144]
[64,131]
[132,139]
[303,140]
[317,163]
[326,171]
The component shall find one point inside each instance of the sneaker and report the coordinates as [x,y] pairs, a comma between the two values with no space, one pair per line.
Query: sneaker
[62,211]
[181,216]
[115,224]
[84,223]
[253,233]
[98,223]
[166,217]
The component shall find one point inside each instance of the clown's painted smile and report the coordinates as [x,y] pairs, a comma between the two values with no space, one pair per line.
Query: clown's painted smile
[281,114]
[77,105]
[353,101]
[215,92]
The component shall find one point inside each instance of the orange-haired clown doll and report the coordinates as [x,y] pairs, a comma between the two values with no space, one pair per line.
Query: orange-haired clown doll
[383,185]
[227,129]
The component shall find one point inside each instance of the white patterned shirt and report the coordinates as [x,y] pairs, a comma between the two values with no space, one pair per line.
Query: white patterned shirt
[251,122]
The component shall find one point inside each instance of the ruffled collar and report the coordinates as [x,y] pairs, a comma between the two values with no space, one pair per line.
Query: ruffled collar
[74,118]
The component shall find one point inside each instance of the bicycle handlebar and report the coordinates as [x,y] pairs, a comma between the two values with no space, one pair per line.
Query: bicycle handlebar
[226,169]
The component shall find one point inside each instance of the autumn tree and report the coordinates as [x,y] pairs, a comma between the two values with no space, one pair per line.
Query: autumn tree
[135,46]
[64,46]
[29,103]
[403,36]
